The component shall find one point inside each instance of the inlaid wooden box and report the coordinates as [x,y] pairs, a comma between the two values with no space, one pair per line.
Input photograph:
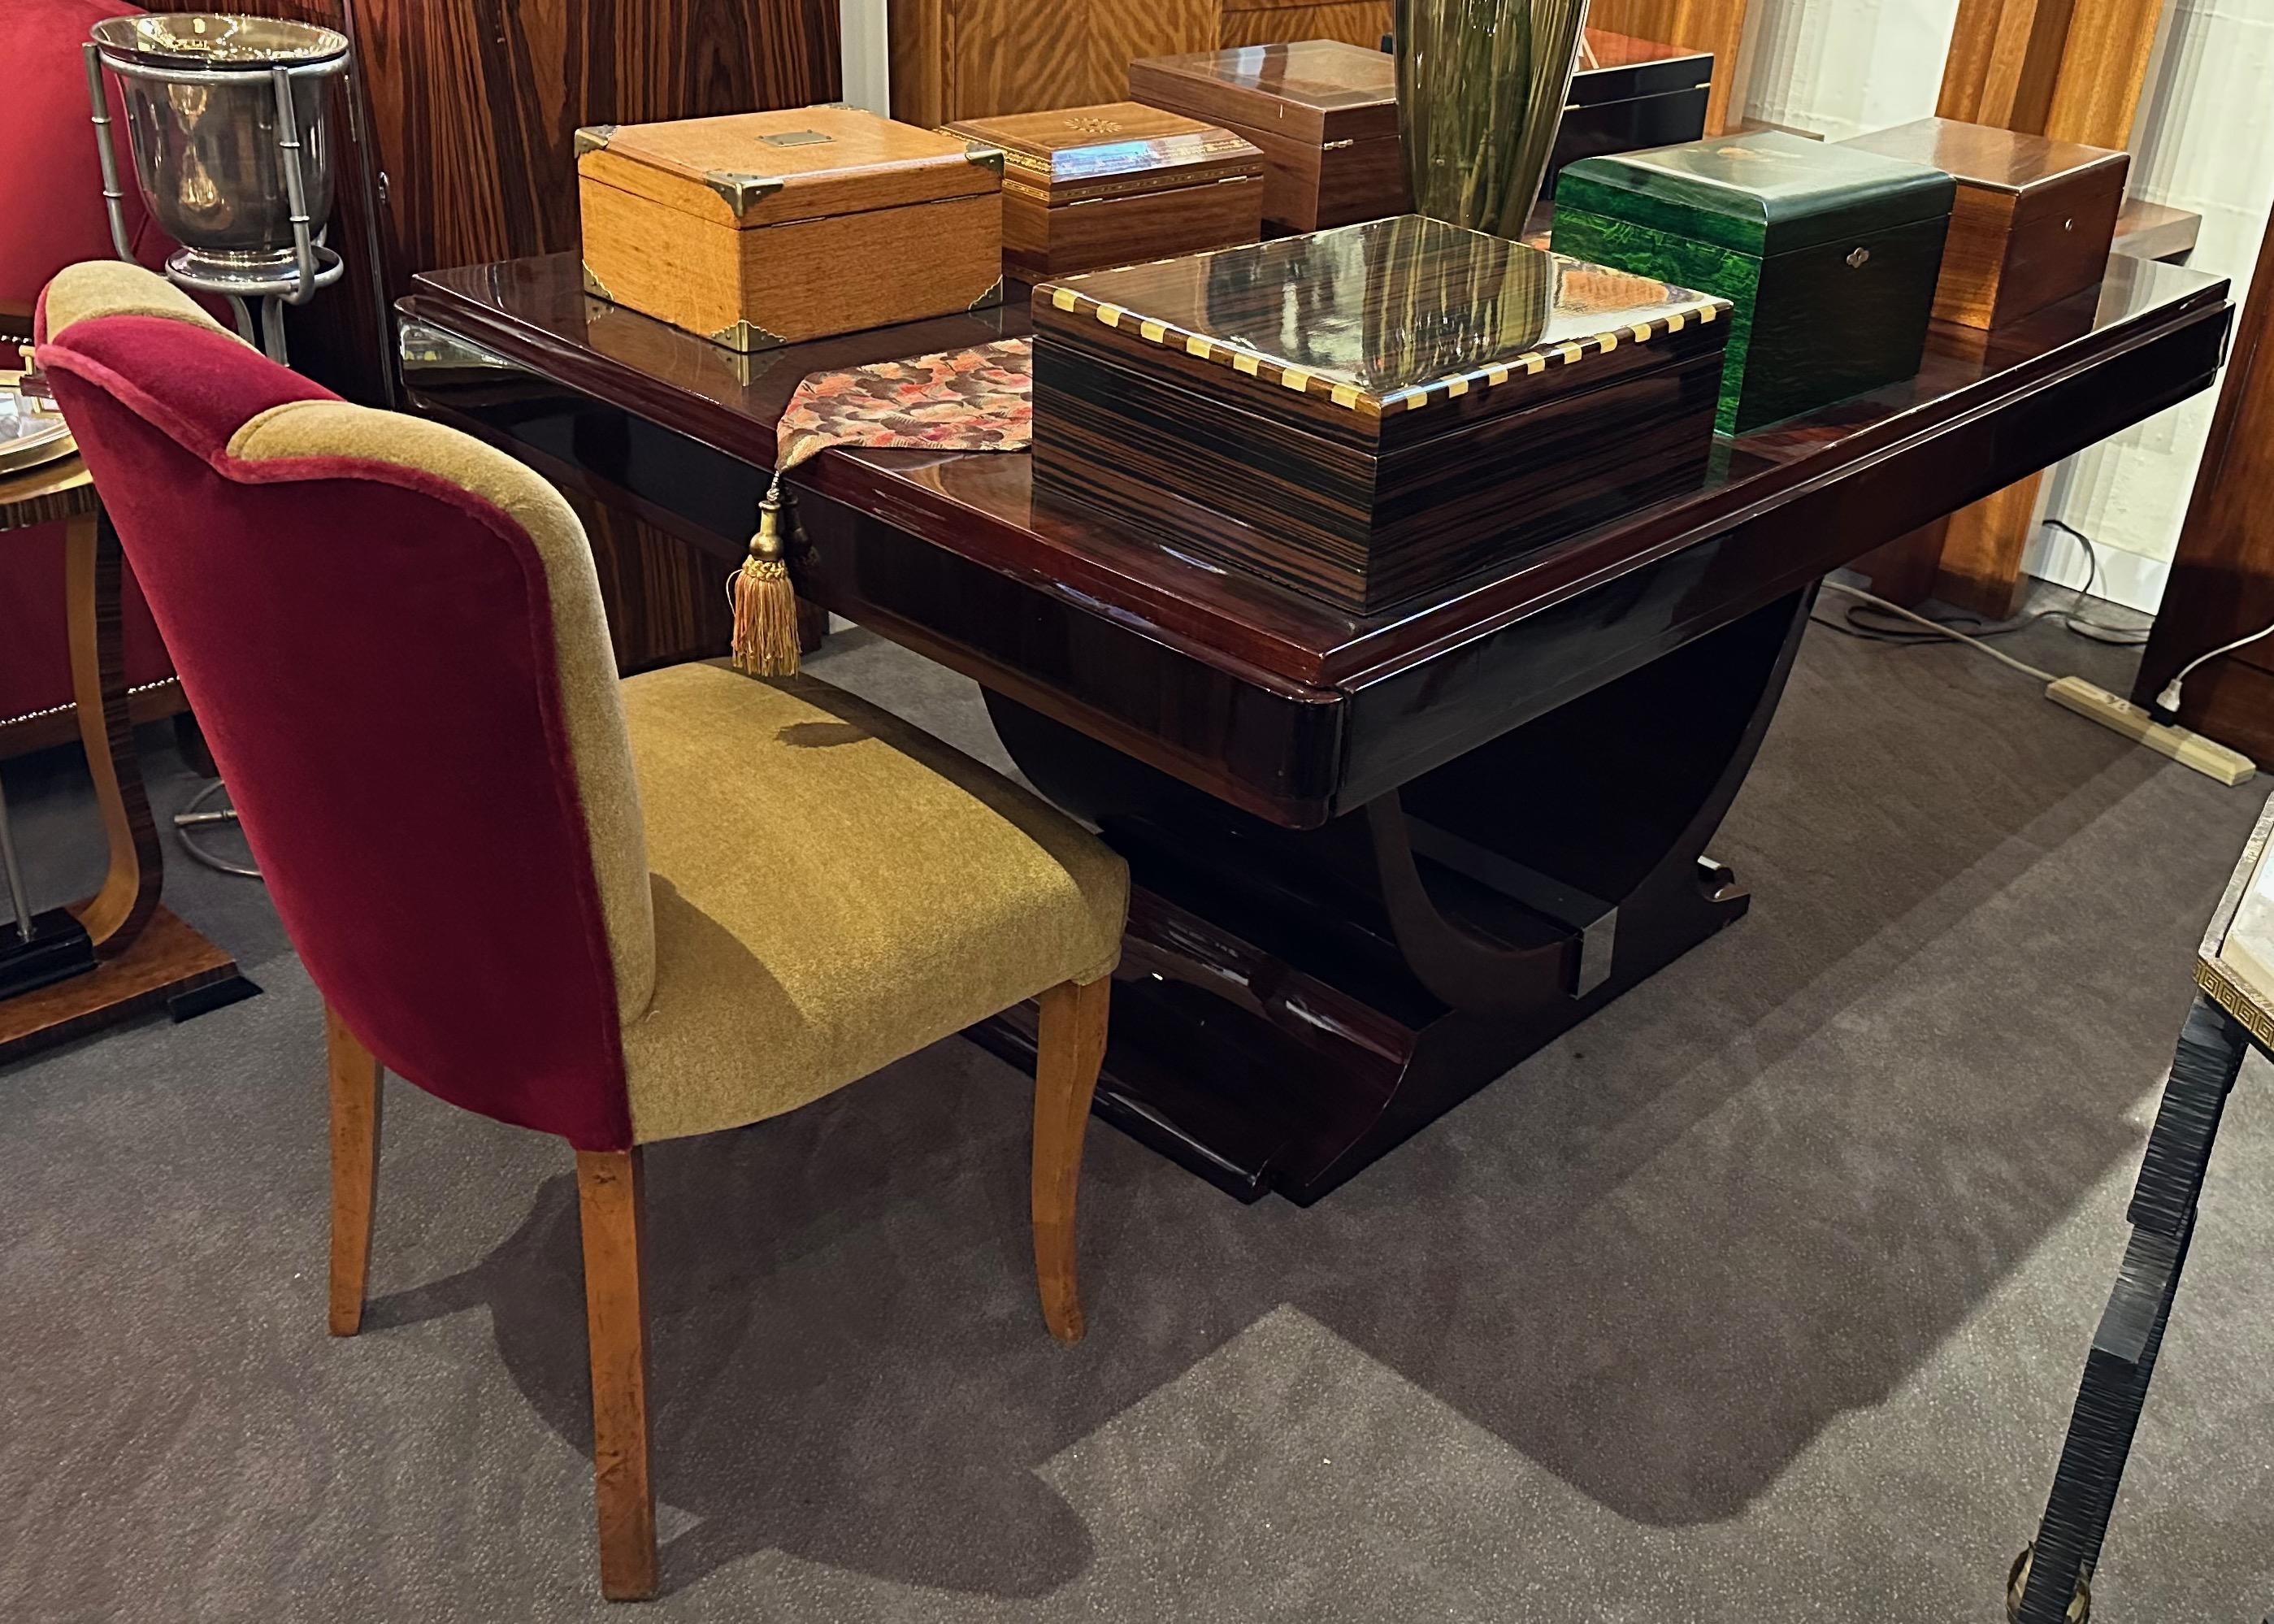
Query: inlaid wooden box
[1324,113]
[1087,187]
[1366,413]
[2033,220]
[1828,252]
[762,229]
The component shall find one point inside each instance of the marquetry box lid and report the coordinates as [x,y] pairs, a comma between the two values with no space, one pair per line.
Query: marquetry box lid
[1119,149]
[750,170]
[1389,330]
[1366,413]
[1760,194]
[2033,220]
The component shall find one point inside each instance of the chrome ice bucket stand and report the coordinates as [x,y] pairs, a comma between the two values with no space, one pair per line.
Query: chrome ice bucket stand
[227,124]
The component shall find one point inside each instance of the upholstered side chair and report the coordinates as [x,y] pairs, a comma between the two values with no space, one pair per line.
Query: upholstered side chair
[618,912]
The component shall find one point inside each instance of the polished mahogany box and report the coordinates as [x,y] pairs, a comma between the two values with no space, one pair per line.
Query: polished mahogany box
[1087,187]
[2033,220]
[1365,414]
[1324,112]
[1828,252]
[762,229]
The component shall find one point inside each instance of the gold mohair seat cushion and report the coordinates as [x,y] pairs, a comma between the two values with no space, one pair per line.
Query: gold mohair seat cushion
[834,889]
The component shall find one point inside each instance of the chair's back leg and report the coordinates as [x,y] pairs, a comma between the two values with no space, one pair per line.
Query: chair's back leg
[616,1318]
[354,1093]
[1069,1050]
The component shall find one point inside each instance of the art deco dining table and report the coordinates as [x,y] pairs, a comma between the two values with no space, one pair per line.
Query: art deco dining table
[1378,858]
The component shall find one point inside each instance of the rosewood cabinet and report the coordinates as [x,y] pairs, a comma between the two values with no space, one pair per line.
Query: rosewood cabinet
[458,148]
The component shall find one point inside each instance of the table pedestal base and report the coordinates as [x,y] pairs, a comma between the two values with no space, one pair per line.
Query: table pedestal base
[1292,1004]
[167,965]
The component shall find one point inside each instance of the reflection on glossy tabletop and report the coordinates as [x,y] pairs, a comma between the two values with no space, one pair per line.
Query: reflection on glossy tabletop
[535,311]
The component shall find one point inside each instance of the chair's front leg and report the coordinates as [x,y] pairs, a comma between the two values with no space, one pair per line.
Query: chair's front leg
[355,1095]
[616,1318]
[1069,1050]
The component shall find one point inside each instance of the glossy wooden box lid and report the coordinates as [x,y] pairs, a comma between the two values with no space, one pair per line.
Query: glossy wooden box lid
[1763,193]
[1995,160]
[799,163]
[1614,67]
[1078,153]
[1312,90]
[1390,317]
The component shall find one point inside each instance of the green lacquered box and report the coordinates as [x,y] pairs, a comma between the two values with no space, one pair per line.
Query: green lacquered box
[1829,254]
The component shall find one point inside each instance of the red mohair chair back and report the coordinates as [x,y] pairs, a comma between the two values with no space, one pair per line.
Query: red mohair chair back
[371,650]
[52,215]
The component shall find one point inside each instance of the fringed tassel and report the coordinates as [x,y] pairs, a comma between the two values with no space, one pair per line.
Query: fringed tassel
[765,602]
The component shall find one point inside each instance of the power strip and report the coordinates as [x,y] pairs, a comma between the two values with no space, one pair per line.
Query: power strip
[2188,748]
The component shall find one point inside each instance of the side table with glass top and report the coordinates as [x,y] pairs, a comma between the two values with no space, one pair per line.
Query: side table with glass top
[145,956]
[2232,1013]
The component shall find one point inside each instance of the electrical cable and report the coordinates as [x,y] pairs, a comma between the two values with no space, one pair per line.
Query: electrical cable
[1938,629]
[2073,617]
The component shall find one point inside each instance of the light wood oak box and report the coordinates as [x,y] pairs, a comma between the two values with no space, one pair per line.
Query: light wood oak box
[762,229]
[1087,187]
[2033,222]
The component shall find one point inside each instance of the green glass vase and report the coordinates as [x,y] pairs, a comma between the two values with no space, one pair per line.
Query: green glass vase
[1481,90]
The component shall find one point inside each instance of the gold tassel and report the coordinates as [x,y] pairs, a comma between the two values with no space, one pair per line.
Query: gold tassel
[765,602]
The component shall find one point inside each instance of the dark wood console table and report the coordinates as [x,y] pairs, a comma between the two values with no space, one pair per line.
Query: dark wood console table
[1379,861]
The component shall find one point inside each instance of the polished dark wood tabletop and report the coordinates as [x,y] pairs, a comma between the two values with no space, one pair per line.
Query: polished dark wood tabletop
[1288,708]
[1376,860]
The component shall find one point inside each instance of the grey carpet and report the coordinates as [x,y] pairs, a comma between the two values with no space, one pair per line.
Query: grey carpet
[1760,1297]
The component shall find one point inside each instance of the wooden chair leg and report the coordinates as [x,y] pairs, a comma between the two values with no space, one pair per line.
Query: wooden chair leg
[355,1092]
[1071,1047]
[616,1318]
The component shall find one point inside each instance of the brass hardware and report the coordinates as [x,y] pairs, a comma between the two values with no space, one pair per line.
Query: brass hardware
[746,336]
[742,191]
[1856,257]
[797,137]
[1348,140]
[992,297]
[984,157]
[596,287]
[594,137]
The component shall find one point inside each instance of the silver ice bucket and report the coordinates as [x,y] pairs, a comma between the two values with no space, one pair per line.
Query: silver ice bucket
[227,119]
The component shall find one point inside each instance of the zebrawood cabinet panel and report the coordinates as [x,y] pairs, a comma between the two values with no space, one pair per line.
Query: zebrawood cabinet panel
[1248,22]
[955,59]
[457,148]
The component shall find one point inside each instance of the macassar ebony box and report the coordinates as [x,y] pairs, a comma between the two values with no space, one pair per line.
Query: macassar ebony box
[762,229]
[1087,187]
[1367,413]
[1829,254]
[2033,219]
[1324,113]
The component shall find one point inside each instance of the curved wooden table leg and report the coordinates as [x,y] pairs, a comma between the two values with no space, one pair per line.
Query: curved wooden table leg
[117,912]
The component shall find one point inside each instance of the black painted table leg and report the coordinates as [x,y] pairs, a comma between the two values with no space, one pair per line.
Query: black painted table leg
[2123,1357]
